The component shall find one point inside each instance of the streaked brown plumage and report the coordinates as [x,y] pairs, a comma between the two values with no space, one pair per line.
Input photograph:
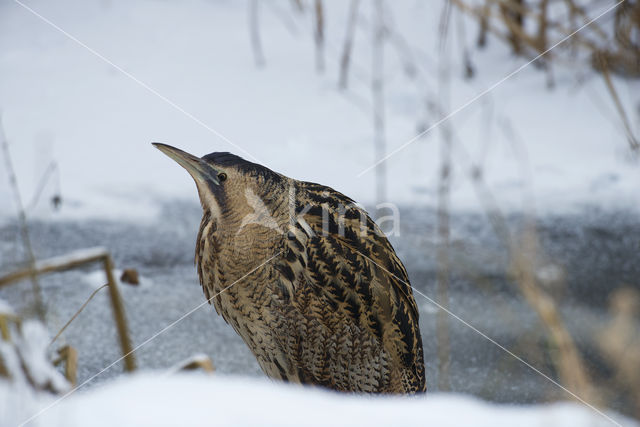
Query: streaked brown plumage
[305,277]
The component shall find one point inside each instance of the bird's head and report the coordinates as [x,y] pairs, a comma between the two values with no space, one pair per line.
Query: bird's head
[230,188]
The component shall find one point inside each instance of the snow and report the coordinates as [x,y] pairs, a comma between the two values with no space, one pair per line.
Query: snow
[11,362]
[71,257]
[32,344]
[6,309]
[62,103]
[170,397]
[199,400]
[26,361]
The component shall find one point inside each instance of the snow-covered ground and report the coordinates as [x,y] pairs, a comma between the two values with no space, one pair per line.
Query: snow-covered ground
[157,399]
[183,73]
[169,397]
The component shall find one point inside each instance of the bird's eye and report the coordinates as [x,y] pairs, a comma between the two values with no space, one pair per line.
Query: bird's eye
[222,176]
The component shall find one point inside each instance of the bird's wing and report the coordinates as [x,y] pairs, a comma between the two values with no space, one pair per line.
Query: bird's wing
[337,252]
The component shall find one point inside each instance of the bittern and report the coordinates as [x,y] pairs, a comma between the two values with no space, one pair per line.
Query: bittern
[305,277]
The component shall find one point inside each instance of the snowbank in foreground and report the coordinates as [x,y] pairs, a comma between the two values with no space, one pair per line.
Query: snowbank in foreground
[192,399]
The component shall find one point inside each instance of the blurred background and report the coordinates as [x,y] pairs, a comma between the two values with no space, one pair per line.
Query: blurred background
[505,132]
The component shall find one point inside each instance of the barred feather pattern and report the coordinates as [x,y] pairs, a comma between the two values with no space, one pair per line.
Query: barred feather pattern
[334,308]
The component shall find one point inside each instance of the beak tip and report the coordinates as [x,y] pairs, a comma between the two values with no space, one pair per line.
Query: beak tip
[194,165]
[166,149]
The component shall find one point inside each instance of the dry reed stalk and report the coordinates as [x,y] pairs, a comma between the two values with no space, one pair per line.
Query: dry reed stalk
[118,313]
[5,319]
[77,313]
[319,35]
[4,327]
[543,25]
[49,171]
[204,364]
[443,272]
[575,10]
[254,28]
[76,260]
[517,35]
[484,24]
[568,361]
[69,356]
[604,69]
[514,20]
[626,59]
[345,58]
[377,92]
[486,16]
[619,342]
[523,254]
[482,14]
[469,71]
[444,190]
[24,227]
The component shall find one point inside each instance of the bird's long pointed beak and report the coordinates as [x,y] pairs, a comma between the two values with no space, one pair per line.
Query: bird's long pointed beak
[197,168]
